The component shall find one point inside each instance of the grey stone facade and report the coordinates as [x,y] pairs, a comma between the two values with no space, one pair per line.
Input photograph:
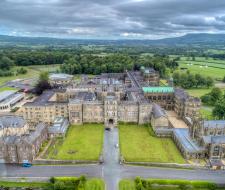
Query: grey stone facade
[16,149]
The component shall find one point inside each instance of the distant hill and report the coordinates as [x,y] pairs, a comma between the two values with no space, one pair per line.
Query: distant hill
[189,39]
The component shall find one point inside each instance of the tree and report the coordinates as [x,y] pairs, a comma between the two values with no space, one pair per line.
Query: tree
[209,82]
[219,110]
[5,63]
[216,94]
[43,83]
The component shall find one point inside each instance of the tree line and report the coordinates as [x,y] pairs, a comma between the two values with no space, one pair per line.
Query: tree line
[215,98]
[189,80]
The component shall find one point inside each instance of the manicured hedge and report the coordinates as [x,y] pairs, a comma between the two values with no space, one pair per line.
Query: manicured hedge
[183,184]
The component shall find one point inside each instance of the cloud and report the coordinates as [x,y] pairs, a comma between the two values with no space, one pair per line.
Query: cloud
[111,18]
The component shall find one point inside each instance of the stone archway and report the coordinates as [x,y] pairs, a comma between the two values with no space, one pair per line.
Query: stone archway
[111,121]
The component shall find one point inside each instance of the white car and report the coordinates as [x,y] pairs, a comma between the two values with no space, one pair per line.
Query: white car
[116,145]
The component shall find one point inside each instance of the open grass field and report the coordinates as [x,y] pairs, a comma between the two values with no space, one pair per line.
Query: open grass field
[138,143]
[214,68]
[82,142]
[215,73]
[48,68]
[31,73]
[161,184]
[198,92]
[91,184]
[24,184]
[7,88]
[206,112]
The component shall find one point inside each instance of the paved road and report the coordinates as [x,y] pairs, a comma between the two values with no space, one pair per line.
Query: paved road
[111,171]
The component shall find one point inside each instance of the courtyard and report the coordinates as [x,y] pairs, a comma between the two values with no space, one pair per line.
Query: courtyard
[83,142]
[138,143]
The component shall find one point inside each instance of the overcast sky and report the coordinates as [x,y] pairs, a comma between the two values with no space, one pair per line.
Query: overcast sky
[111,19]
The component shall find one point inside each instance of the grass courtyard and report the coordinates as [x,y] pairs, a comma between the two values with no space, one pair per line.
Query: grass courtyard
[83,142]
[138,143]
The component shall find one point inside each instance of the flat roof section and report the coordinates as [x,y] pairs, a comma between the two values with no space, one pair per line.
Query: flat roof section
[158,89]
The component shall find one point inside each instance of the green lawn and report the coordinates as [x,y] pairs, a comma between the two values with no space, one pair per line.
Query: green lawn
[24,184]
[137,143]
[206,112]
[91,184]
[48,68]
[167,184]
[31,73]
[7,88]
[215,73]
[198,92]
[126,185]
[82,142]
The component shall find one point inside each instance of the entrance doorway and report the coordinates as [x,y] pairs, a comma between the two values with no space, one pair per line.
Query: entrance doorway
[111,122]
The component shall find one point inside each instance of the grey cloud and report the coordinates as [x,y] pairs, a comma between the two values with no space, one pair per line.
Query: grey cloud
[112,18]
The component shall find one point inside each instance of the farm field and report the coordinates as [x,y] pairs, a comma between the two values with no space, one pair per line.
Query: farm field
[214,68]
[138,143]
[215,73]
[83,142]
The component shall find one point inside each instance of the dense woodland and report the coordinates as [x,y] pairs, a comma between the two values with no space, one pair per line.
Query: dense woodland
[74,63]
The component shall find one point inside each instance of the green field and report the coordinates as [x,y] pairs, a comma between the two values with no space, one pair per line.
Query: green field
[48,68]
[82,142]
[206,67]
[91,184]
[138,143]
[24,184]
[198,92]
[7,88]
[167,184]
[206,112]
[30,74]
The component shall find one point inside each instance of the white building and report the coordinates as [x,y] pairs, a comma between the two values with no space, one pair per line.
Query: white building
[8,99]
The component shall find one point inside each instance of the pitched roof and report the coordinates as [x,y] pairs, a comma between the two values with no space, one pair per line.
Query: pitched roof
[157,111]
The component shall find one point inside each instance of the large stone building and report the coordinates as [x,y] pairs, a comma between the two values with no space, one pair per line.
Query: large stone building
[104,99]
[133,97]
[20,143]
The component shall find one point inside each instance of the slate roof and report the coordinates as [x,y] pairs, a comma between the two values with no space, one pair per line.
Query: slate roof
[214,124]
[186,142]
[60,76]
[157,111]
[214,139]
[5,94]
[11,121]
[35,134]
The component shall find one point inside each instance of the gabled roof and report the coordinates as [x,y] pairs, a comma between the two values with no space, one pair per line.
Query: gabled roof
[157,111]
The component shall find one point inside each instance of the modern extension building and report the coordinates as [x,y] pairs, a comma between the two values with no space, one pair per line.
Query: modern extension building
[8,99]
